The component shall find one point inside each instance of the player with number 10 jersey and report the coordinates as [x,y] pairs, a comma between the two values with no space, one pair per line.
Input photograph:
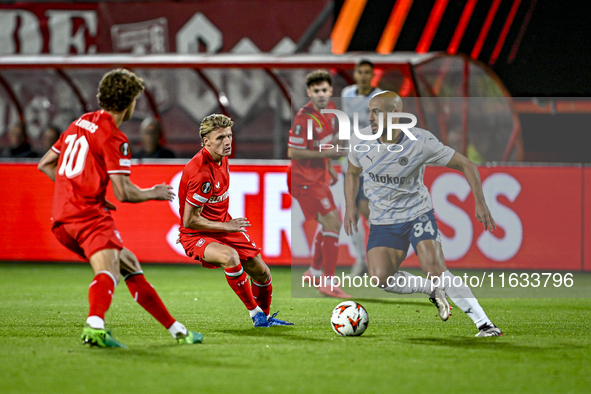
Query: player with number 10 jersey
[87,158]
[89,154]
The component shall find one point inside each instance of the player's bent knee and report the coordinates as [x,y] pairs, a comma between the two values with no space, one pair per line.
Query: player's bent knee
[333,226]
[331,221]
[257,269]
[263,276]
[263,271]
[266,273]
[221,255]
[128,262]
[229,258]
[106,260]
[380,274]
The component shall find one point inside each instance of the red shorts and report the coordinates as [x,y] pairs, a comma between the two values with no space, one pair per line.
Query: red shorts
[87,238]
[313,200]
[195,244]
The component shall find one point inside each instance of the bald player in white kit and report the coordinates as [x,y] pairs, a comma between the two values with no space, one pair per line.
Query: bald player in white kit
[401,212]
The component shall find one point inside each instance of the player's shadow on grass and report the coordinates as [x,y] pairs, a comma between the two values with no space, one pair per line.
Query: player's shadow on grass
[284,332]
[162,354]
[480,343]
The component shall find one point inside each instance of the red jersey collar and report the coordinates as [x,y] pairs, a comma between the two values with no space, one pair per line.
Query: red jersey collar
[208,157]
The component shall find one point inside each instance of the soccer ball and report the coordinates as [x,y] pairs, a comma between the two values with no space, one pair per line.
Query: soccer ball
[349,319]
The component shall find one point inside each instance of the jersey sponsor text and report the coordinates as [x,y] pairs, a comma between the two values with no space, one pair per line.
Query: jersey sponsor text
[86,125]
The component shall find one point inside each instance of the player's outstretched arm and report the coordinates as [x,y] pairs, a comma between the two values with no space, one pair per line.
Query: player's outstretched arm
[470,171]
[192,219]
[125,191]
[351,190]
[48,164]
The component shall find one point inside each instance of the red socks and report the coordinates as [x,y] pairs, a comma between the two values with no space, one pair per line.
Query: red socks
[100,294]
[237,280]
[143,292]
[263,292]
[317,259]
[326,251]
[330,252]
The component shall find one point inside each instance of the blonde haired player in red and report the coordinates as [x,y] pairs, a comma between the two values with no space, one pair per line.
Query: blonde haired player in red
[210,235]
[310,176]
[88,154]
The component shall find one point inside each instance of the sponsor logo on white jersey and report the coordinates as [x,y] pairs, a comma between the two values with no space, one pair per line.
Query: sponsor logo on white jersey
[387,178]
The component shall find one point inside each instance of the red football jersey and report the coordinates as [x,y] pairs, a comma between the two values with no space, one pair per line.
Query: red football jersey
[311,171]
[205,183]
[91,149]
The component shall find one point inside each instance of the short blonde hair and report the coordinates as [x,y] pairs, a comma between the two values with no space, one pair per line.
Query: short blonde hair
[214,122]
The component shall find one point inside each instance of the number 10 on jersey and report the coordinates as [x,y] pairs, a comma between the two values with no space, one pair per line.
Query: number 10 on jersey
[74,156]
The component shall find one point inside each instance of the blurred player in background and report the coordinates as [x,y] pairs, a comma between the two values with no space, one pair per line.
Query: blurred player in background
[151,134]
[401,212]
[210,235]
[18,143]
[89,153]
[50,136]
[311,175]
[355,99]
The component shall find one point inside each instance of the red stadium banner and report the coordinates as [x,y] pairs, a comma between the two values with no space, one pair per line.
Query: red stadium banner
[150,229]
[537,210]
[542,214]
[156,26]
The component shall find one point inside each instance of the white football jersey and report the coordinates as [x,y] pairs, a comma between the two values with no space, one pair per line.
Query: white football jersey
[393,177]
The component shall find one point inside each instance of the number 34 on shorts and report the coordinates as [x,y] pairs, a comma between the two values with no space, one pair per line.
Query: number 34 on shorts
[420,229]
[425,227]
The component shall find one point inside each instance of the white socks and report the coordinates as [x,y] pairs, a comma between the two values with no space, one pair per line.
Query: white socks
[406,283]
[177,328]
[95,322]
[255,311]
[462,296]
[315,272]
[403,282]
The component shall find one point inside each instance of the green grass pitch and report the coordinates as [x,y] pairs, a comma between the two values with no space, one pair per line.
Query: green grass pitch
[547,346]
